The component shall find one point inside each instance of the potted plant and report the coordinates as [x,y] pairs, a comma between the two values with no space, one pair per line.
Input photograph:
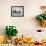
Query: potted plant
[42,17]
[10,31]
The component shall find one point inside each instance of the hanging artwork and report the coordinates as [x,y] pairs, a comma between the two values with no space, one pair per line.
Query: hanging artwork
[17,11]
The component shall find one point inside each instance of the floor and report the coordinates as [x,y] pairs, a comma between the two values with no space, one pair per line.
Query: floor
[30,45]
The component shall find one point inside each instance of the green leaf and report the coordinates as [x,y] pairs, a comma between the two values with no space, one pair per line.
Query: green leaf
[10,31]
[40,18]
[45,16]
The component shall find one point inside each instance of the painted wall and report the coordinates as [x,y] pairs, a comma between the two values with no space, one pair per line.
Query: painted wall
[26,25]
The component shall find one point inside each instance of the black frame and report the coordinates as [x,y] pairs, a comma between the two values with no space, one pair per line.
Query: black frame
[18,7]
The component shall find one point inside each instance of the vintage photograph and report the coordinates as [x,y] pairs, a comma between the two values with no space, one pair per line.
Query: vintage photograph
[17,11]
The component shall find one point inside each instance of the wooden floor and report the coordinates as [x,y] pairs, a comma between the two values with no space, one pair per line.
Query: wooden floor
[30,45]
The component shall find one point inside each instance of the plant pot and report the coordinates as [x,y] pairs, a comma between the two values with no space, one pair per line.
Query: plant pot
[13,38]
[9,41]
[43,23]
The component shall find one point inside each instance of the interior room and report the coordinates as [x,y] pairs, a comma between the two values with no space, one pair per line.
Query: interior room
[23,22]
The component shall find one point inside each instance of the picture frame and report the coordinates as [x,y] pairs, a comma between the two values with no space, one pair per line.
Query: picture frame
[17,11]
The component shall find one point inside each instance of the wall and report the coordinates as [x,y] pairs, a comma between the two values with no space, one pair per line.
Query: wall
[26,25]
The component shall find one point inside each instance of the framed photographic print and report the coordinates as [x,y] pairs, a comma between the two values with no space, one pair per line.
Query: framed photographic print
[17,11]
